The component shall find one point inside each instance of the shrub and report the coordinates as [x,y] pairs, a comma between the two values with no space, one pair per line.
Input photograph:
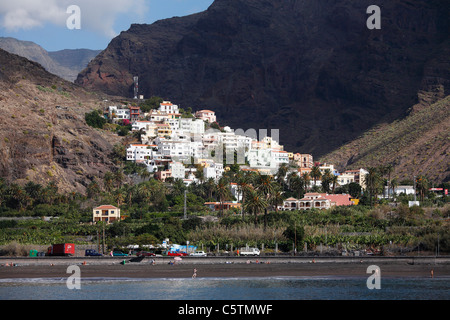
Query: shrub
[94,119]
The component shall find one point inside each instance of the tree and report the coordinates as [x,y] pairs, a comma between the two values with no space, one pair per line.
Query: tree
[276,199]
[255,203]
[422,186]
[152,103]
[334,181]
[327,180]
[93,190]
[108,181]
[281,174]
[266,185]
[354,189]
[307,180]
[294,233]
[373,183]
[297,185]
[243,185]
[94,119]
[222,191]
[315,174]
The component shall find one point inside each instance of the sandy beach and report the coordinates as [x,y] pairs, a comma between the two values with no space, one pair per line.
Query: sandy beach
[163,269]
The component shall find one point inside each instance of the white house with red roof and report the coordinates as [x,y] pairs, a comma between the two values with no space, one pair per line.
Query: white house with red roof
[320,201]
[206,115]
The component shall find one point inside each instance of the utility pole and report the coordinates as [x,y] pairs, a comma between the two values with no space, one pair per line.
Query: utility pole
[185,195]
[103,245]
[295,238]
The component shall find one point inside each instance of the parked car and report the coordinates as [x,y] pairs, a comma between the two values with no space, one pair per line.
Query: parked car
[119,254]
[145,254]
[91,253]
[176,254]
[198,254]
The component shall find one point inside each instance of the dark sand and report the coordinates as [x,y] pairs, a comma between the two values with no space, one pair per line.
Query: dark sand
[180,270]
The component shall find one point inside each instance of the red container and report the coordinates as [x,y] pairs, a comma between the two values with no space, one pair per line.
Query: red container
[63,249]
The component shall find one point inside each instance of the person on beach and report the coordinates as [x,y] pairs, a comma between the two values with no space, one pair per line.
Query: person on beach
[195,274]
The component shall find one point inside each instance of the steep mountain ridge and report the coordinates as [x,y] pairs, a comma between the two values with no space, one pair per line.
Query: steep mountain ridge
[417,145]
[43,134]
[311,69]
[64,63]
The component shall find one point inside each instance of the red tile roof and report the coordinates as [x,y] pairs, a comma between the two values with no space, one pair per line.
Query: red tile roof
[105,207]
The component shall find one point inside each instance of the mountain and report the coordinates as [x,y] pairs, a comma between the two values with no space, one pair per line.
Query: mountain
[65,63]
[43,133]
[417,145]
[311,69]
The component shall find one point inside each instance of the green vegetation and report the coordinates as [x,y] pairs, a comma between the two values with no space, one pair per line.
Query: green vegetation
[94,119]
[150,104]
[154,211]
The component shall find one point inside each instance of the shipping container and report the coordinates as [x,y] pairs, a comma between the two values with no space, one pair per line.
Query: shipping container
[63,249]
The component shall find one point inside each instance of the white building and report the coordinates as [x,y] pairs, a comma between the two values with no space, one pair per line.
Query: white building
[407,190]
[206,115]
[213,170]
[117,114]
[158,116]
[140,124]
[178,170]
[139,152]
[173,123]
[168,107]
[260,158]
[194,126]
[280,157]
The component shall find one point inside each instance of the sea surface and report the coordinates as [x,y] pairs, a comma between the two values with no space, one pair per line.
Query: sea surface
[280,288]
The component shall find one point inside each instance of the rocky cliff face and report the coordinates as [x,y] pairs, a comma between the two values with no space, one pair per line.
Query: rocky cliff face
[309,68]
[43,135]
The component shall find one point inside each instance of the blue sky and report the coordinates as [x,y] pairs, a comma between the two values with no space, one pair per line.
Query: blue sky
[45,21]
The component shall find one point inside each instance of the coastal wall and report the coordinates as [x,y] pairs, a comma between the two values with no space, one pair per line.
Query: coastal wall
[416,260]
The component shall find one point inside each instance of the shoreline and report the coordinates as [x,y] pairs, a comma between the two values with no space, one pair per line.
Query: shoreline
[217,268]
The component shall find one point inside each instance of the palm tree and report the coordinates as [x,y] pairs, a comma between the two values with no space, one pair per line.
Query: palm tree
[394,184]
[119,177]
[276,199]
[315,174]
[256,203]
[33,190]
[108,181]
[388,170]
[18,194]
[373,182]
[266,185]
[334,181]
[281,174]
[243,184]
[119,196]
[209,186]
[326,180]
[297,186]
[422,186]
[222,191]
[307,180]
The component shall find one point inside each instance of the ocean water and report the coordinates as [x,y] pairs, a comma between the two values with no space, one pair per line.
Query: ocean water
[281,288]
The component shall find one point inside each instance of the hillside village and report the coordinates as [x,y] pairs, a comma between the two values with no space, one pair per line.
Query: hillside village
[176,146]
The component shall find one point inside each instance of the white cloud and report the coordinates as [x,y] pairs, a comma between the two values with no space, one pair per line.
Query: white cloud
[96,15]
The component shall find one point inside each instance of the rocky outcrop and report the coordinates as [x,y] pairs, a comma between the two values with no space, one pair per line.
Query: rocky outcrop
[43,134]
[64,63]
[311,69]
